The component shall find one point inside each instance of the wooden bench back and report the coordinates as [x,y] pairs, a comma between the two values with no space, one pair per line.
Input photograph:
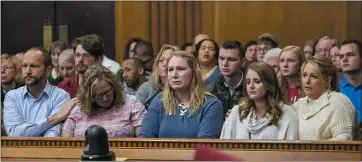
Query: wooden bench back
[182,149]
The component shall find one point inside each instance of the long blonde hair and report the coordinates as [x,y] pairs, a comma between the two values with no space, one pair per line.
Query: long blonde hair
[93,76]
[273,96]
[17,64]
[155,76]
[197,89]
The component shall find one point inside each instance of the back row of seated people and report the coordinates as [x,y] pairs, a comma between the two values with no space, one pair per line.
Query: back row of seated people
[213,93]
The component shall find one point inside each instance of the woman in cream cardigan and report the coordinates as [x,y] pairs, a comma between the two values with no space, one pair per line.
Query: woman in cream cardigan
[261,114]
[323,114]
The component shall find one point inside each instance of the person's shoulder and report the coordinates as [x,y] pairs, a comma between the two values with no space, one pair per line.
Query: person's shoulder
[59,91]
[18,92]
[339,99]
[289,112]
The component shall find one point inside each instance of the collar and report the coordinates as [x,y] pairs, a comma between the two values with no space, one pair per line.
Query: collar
[311,107]
[241,80]
[46,90]
[344,83]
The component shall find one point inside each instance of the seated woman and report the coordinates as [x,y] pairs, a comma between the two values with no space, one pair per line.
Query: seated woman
[323,114]
[261,114]
[102,102]
[66,63]
[151,88]
[183,109]
[207,53]
[11,78]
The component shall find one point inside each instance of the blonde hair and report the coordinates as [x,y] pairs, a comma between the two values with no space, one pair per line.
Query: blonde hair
[17,64]
[301,58]
[155,76]
[197,89]
[325,70]
[68,55]
[273,96]
[93,76]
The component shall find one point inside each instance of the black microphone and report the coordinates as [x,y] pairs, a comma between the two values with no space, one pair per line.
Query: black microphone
[96,145]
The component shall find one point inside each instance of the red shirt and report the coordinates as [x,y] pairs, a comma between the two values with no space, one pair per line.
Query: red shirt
[293,95]
[70,85]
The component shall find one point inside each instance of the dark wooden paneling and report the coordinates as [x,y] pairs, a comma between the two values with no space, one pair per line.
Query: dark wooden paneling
[22,24]
[87,18]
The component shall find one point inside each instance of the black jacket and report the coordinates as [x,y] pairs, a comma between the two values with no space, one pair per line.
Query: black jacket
[221,91]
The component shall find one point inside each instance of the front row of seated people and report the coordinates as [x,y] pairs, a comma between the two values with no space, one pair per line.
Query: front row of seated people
[184,109]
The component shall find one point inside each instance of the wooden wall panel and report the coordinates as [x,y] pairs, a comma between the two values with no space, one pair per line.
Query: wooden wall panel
[291,22]
[131,20]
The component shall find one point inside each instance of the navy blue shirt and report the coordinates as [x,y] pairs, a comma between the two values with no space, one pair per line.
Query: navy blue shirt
[354,94]
[206,123]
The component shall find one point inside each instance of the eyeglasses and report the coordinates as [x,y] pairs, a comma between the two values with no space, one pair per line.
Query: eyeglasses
[100,95]
[263,49]
[7,68]
[323,51]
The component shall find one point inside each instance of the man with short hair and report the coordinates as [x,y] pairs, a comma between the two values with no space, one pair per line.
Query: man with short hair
[265,42]
[229,86]
[351,61]
[28,110]
[133,75]
[324,46]
[89,51]
[144,51]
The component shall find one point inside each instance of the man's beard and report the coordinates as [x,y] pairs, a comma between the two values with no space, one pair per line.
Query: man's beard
[35,81]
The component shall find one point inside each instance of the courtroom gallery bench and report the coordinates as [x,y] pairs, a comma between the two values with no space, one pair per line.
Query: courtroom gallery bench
[40,148]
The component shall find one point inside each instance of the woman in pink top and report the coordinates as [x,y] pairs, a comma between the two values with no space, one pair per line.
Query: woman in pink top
[103,102]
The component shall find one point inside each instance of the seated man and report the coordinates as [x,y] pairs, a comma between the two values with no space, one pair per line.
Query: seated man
[144,51]
[133,75]
[229,86]
[28,109]
[88,51]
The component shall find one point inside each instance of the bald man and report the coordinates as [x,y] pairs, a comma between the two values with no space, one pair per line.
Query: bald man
[198,38]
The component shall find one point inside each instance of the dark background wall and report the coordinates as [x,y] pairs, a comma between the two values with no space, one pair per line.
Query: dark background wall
[22,23]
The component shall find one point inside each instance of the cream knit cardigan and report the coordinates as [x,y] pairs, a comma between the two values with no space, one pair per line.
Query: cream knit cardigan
[330,117]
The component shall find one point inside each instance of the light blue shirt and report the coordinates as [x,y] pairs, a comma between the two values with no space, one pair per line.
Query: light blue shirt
[25,115]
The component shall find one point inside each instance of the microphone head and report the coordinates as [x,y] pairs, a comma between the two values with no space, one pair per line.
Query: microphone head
[96,145]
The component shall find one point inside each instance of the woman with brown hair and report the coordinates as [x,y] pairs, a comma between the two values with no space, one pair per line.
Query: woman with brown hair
[261,114]
[291,59]
[183,109]
[323,114]
[55,49]
[103,102]
[151,88]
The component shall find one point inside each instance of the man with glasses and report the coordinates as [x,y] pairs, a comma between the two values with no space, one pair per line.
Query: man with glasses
[265,42]
[144,51]
[30,110]
[89,51]
[324,46]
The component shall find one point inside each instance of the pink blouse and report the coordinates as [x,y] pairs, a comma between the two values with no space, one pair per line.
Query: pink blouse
[119,121]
